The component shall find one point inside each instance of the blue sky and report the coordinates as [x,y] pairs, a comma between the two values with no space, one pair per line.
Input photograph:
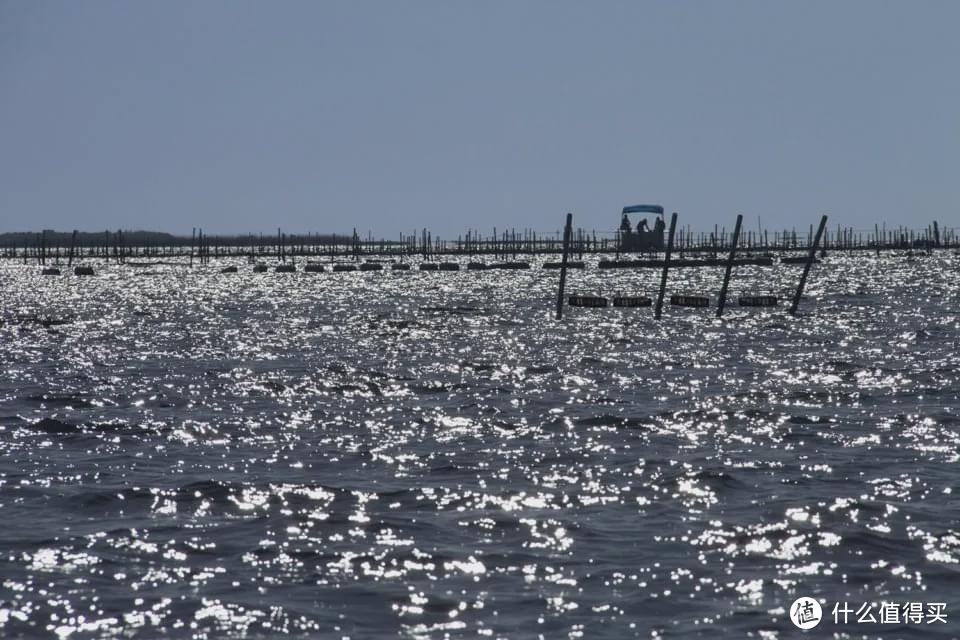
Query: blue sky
[392,116]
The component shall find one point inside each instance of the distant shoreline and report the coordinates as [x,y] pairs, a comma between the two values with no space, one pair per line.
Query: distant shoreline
[153,238]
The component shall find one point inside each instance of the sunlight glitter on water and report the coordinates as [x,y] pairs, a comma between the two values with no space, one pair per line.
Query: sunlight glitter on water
[366,454]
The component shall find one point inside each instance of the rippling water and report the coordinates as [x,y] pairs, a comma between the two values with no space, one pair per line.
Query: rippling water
[430,454]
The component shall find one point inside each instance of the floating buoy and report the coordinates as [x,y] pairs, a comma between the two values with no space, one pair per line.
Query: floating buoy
[798,260]
[690,301]
[344,267]
[50,271]
[286,268]
[510,265]
[587,301]
[476,266]
[371,266]
[758,301]
[449,266]
[259,268]
[314,268]
[400,266]
[83,271]
[571,264]
[429,266]
[228,270]
[632,301]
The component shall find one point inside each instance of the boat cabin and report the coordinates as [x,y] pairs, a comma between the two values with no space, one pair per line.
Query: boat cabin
[647,235]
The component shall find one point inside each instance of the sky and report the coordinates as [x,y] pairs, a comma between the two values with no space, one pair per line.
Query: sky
[387,116]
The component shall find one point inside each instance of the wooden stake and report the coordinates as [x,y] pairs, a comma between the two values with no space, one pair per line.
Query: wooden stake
[726,276]
[806,267]
[567,231]
[666,266]
[73,244]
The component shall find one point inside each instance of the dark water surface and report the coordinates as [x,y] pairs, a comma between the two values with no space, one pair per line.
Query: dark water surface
[365,455]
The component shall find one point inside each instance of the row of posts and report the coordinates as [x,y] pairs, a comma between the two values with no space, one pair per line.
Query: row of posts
[118,246]
[658,310]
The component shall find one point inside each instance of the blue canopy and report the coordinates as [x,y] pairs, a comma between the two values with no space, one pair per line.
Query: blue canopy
[644,208]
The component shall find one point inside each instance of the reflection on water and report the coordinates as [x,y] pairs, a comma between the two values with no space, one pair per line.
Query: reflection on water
[430,454]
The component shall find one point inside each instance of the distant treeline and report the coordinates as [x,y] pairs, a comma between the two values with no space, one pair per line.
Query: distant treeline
[158,238]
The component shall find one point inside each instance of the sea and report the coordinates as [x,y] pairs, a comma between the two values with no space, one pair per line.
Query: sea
[402,454]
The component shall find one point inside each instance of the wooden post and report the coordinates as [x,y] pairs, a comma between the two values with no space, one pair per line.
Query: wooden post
[666,266]
[806,267]
[567,231]
[936,234]
[73,244]
[193,241]
[726,276]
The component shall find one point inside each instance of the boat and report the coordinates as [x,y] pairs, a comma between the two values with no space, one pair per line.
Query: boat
[641,238]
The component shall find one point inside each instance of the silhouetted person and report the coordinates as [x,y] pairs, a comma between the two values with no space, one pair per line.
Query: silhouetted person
[625,224]
[642,226]
[659,225]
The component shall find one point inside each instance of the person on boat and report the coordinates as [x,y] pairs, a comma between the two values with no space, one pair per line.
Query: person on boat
[625,224]
[642,226]
[659,225]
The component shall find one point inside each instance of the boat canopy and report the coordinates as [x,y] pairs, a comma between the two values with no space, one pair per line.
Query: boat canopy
[644,208]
